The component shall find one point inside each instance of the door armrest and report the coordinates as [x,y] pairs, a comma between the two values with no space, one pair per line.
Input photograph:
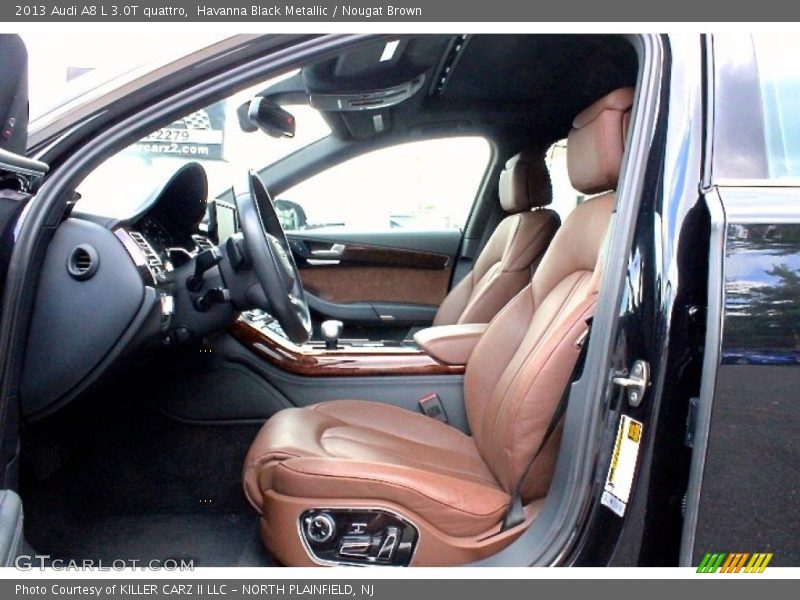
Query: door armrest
[450,344]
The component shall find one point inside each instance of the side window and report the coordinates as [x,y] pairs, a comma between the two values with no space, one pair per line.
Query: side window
[429,184]
[779,76]
[565,198]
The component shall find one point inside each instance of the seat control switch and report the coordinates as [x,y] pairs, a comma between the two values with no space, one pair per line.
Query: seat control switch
[389,543]
[357,546]
[320,528]
[356,536]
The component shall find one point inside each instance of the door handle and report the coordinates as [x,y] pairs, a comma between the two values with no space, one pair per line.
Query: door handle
[335,252]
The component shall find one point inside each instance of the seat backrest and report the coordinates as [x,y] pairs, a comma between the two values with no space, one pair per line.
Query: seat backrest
[522,364]
[513,251]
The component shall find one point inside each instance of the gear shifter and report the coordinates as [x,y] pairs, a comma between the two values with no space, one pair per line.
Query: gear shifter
[331,330]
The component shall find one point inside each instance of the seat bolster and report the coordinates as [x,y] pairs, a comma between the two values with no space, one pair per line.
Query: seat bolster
[516,246]
[290,433]
[532,235]
[458,507]
[492,293]
[453,305]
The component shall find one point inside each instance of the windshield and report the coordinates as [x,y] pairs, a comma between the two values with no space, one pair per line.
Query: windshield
[210,136]
[91,61]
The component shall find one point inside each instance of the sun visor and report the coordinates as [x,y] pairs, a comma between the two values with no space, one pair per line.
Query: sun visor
[13,94]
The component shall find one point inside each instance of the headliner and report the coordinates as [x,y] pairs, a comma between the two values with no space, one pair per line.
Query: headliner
[512,85]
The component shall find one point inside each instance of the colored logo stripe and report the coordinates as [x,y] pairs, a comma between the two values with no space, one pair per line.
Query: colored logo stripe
[758,563]
[734,562]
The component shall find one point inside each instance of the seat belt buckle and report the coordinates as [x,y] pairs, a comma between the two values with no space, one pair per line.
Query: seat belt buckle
[431,405]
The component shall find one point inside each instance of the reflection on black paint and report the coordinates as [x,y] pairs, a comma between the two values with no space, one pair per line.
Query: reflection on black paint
[762,295]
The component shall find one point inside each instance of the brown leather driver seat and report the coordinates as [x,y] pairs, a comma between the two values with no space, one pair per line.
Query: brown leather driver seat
[516,246]
[351,456]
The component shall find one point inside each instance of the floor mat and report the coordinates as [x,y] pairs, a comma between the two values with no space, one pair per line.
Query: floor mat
[207,540]
[112,478]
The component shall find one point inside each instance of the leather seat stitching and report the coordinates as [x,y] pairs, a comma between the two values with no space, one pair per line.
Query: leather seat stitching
[272,454]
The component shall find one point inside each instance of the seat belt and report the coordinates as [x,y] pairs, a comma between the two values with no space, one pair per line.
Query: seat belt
[516,511]
[11,205]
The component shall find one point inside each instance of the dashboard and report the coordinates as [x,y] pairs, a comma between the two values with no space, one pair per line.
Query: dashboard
[157,234]
[176,212]
[124,289]
[173,227]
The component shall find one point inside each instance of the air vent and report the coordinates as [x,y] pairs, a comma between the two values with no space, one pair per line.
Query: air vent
[83,262]
[152,259]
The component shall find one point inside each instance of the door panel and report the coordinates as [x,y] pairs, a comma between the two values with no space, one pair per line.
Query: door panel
[747,500]
[384,280]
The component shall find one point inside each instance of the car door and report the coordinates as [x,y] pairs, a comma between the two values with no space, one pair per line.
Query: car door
[741,507]
[376,236]
[19,177]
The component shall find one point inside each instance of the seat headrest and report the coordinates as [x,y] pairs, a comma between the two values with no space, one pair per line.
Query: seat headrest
[596,143]
[525,183]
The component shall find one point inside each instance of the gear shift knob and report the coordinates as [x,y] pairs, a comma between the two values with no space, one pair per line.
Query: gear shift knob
[331,330]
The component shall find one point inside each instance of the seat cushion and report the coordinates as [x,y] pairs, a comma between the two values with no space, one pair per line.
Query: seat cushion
[351,449]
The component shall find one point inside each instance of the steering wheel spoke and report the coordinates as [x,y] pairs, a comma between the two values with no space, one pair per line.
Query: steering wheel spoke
[273,261]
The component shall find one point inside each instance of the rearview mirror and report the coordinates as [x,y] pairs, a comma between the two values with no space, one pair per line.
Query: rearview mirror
[266,115]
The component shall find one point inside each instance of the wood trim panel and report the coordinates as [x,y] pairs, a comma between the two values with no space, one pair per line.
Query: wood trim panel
[360,362]
[358,253]
[393,257]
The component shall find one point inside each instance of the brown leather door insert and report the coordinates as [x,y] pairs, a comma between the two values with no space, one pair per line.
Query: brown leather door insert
[344,284]
[367,273]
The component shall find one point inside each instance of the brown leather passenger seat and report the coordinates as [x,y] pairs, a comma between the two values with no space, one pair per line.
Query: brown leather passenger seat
[456,488]
[508,259]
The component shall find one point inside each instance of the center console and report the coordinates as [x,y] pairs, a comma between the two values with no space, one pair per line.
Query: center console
[434,351]
[262,334]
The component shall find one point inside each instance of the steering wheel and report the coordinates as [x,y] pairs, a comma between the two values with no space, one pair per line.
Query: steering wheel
[272,260]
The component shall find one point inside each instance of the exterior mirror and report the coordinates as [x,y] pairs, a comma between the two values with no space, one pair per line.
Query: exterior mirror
[290,214]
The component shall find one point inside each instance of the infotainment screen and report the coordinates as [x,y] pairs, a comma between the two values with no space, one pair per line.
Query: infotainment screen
[227,219]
